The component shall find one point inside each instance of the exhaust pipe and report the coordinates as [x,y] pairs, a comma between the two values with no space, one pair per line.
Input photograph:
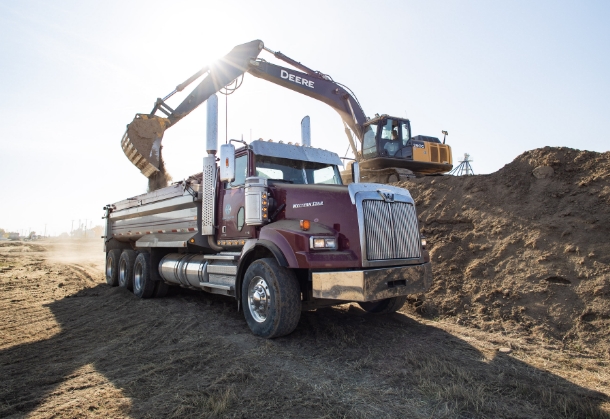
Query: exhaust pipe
[306,132]
[211,141]
[209,170]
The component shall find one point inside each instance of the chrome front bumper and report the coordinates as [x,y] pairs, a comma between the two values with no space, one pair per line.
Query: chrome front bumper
[372,284]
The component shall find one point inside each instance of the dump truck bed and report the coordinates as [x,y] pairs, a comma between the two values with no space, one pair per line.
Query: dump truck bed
[169,210]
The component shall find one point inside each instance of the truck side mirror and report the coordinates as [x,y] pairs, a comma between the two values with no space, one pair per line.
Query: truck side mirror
[227,163]
[355,172]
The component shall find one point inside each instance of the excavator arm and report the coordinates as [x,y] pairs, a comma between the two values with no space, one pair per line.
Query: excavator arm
[316,86]
[141,142]
[142,139]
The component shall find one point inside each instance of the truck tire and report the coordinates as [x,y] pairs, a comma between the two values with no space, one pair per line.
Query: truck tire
[161,289]
[143,284]
[126,262]
[271,297]
[389,305]
[112,267]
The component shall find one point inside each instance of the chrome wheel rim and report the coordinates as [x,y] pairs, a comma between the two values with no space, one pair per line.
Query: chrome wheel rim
[109,267]
[259,299]
[122,272]
[138,278]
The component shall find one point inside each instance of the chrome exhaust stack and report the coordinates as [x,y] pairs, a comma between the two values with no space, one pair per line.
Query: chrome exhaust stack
[306,131]
[211,140]
[209,168]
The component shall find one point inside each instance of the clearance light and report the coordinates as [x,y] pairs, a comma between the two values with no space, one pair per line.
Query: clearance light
[304,225]
[423,242]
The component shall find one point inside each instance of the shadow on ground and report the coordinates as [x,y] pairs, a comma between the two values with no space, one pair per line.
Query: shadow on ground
[192,355]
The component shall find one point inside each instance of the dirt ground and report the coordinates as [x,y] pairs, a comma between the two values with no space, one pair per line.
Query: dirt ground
[524,251]
[515,326]
[71,346]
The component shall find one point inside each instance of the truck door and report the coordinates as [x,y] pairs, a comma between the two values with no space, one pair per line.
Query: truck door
[232,227]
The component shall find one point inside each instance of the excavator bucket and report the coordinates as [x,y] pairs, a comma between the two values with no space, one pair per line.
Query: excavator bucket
[141,142]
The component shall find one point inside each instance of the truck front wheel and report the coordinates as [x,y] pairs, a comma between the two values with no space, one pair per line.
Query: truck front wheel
[271,297]
[389,305]
[143,284]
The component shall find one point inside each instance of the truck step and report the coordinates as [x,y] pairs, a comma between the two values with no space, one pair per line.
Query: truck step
[222,269]
[216,286]
[224,256]
[228,280]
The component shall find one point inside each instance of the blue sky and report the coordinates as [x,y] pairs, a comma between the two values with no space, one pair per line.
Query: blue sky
[501,77]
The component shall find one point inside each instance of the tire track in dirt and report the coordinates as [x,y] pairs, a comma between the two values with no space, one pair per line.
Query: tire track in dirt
[192,355]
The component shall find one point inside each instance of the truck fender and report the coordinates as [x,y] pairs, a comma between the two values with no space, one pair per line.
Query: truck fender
[253,250]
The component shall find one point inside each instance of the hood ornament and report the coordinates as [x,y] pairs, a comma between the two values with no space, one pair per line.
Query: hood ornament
[386,195]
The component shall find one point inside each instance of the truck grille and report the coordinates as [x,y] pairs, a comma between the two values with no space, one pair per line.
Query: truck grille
[391,230]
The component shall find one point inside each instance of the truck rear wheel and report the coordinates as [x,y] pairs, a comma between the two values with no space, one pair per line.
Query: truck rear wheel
[389,305]
[112,267]
[271,297]
[126,262]
[143,284]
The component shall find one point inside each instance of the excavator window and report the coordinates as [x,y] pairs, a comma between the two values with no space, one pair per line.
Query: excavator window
[406,132]
[389,137]
[369,145]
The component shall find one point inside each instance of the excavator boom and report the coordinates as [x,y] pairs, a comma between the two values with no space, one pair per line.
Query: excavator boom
[142,139]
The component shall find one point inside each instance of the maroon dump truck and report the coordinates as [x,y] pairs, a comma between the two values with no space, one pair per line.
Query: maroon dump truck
[271,225]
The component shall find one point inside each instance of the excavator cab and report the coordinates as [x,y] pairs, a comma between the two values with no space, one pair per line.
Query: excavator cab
[387,142]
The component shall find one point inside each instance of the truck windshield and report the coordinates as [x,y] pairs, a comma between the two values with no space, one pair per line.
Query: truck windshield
[296,171]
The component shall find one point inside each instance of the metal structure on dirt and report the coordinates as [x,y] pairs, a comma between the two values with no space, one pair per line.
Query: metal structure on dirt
[383,145]
[464,168]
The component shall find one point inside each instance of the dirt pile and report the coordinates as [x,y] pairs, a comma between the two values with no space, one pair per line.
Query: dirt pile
[525,250]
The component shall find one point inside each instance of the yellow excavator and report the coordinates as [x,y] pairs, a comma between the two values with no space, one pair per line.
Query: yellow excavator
[383,146]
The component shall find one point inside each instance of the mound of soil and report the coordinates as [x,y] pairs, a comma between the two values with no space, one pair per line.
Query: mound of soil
[524,250]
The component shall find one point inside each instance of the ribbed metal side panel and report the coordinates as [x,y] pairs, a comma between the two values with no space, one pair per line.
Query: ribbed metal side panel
[209,192]
[444,155]
[391,230]
[434,153]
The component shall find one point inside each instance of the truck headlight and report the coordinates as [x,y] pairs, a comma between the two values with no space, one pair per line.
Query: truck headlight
[322,243]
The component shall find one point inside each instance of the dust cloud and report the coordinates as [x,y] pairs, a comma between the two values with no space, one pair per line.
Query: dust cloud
[159,179]
[86,252]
